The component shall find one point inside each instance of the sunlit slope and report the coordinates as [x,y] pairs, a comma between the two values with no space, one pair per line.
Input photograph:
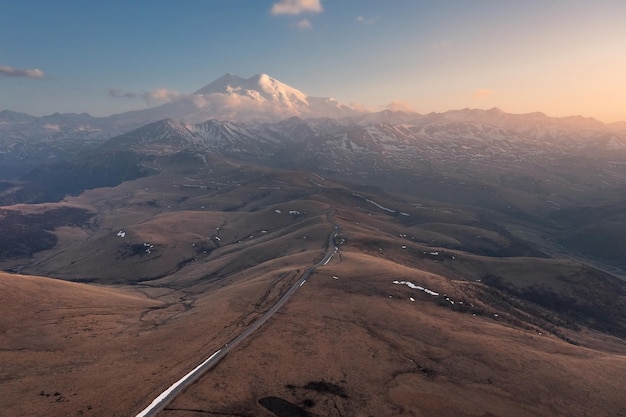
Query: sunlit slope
[356,340]
[424,298]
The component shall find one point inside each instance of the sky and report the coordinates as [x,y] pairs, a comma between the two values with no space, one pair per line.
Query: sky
[560,57]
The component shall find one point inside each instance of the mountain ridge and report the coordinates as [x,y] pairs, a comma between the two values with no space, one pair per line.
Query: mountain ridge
[260,111]
[268,87]
[478,264]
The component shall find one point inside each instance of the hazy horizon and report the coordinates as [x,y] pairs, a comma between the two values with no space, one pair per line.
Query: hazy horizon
[561,58]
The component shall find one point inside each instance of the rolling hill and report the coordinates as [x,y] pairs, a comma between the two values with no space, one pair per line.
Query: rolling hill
[479,268]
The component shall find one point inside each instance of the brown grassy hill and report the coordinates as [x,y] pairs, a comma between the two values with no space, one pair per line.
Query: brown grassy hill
[80,349]
[62,343]
[352,343]
[195,253]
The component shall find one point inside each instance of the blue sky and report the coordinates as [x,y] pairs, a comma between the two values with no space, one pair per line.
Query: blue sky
[559,57]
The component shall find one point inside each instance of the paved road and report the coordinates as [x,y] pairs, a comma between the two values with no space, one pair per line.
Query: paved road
[169,394]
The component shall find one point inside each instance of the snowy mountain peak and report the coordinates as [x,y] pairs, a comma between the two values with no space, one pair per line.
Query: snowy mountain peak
[162,137]
[221,84]
[160,130]
[259,98]
[260,86]
[275,88]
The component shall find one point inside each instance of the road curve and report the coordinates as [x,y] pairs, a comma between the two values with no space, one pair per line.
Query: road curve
[160,402]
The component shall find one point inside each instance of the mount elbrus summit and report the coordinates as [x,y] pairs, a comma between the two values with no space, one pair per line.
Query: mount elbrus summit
[296,257]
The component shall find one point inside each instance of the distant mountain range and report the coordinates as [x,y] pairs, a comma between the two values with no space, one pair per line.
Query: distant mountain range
[258,99]
[262,119]
[471,262]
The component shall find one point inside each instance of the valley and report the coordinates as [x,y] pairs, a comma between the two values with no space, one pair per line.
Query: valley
[478,271]
[208,250]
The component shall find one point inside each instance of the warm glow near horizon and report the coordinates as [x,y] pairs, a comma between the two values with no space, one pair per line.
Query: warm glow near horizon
[578,81]
[561,57]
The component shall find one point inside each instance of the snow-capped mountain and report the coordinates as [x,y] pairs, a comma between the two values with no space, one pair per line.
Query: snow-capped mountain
[264,119]
[463,141]
[263,99]
[166,137]
[162,137]
[230,97]
[258,98]
[16,127]
[260,86]
[27,141]
[387,149]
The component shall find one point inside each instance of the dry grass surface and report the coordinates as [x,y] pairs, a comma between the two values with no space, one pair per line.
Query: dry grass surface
[67,347]
[205,251]
[392,356]
[78,349]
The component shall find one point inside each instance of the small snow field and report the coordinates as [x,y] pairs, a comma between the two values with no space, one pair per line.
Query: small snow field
[380,206]
[416,287]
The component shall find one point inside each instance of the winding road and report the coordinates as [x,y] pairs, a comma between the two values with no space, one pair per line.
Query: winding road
[169,394]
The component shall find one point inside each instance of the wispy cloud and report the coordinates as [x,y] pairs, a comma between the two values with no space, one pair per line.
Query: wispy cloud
[162,95]
[158,96]
[304,24]
[399,105]
[232,105]
[18,72]
[117,93]
[297,7]
[482,93]
[362,107]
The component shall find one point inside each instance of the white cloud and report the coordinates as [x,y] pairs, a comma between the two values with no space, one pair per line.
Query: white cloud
[158,96]
[229,105]
[304,24]
[363,108]
[296,7]
[17,72]
[235,106]
[162,95]
[399,105]
[117,93]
